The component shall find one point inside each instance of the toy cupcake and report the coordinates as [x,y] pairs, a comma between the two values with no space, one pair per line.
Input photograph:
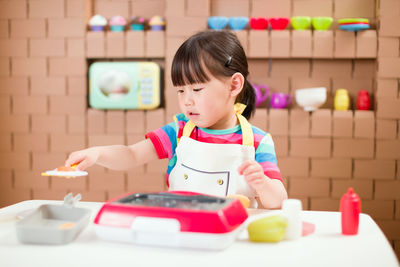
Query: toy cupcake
[157,23]
[137,23]
[117,23]
[97,23]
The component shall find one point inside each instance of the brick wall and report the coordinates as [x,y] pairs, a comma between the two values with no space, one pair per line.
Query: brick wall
[45,50]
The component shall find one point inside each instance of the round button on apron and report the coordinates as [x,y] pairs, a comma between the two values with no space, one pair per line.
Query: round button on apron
[220,181]
[185,176]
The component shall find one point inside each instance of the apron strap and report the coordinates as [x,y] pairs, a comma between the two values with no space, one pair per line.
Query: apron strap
[247,133]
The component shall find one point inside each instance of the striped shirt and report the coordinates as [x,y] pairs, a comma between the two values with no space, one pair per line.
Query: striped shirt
[165,139]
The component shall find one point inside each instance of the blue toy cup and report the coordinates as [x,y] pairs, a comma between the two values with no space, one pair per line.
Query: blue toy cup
[217,22]
[137,27]
[157,27]
[238,23]
[117,28]
[97,28]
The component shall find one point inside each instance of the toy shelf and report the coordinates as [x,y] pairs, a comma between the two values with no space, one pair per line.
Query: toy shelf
[129,44]
[309,44]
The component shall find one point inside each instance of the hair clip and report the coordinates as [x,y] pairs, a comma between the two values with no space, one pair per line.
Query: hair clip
[228,62]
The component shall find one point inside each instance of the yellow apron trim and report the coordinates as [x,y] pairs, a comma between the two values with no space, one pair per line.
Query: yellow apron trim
[176,121]
[239,108]
[188,129]
[247,133]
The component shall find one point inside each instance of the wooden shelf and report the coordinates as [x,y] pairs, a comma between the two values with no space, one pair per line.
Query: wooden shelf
[129,44]
[309,44]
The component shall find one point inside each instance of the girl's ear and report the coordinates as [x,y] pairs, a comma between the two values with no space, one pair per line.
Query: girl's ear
[237,83]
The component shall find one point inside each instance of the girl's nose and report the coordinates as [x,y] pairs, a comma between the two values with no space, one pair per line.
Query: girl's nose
[188,100]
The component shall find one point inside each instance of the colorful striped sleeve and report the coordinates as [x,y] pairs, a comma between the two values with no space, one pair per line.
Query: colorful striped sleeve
[164,140]
[266,156]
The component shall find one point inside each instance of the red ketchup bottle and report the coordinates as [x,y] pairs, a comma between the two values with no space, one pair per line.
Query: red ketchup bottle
[350,208]
[363,100]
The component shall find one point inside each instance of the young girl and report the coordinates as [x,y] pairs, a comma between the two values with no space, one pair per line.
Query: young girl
[211,147]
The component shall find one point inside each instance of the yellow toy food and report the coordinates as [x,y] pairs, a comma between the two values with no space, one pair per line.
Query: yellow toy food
[267,229]
[342,100]
[66,225]
[243,199]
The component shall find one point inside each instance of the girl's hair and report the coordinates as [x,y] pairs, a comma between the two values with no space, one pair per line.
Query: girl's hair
[221,53]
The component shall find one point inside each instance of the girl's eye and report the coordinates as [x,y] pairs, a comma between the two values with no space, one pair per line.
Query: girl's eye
[197,89]
[180,91]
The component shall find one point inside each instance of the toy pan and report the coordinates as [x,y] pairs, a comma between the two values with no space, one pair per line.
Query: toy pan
[52,224]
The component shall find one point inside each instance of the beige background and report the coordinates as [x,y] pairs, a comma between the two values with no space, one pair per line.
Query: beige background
[45,50]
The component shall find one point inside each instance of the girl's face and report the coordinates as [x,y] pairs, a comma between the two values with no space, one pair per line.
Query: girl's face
[208,105]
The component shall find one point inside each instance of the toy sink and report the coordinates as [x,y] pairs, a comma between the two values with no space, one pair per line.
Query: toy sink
[174,219]
[53,224]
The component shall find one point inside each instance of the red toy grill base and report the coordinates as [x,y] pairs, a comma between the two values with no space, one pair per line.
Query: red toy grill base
[178,219]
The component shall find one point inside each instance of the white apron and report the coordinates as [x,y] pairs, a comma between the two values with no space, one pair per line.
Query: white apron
[213,168]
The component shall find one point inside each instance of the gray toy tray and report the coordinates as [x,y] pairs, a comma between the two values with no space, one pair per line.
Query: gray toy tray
[53,224]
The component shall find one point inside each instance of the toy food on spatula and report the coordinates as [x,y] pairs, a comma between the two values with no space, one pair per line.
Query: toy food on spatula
[243,199]
[268,229]
[65,171]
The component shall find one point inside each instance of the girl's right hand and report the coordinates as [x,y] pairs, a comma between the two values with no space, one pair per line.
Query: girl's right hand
[83,158]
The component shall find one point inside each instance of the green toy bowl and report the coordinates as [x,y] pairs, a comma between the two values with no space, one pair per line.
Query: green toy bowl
[300,22]
[353,20]
[322,23]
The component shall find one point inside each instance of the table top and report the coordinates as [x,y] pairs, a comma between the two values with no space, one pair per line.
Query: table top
[325,247]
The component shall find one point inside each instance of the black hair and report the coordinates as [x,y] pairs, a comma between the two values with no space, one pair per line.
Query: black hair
[222,54]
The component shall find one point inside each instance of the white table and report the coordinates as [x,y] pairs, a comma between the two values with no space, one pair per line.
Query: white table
[326,247]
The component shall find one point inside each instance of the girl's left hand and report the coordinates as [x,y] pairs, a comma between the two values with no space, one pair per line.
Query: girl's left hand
[253,174]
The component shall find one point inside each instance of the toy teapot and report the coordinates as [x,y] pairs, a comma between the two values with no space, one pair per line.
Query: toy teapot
[280,100]
[260,97]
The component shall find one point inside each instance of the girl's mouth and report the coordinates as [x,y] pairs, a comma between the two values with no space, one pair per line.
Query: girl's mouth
[193,114]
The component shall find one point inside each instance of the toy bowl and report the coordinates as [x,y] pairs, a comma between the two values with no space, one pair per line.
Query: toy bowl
[300,22]
[311,98]
[217,22]
[279,23]
[353,20]
[354,27]
[258,23]
[238,23]
[322,23]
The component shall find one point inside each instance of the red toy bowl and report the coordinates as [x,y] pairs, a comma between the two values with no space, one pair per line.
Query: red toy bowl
[258,23]
[278,23]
